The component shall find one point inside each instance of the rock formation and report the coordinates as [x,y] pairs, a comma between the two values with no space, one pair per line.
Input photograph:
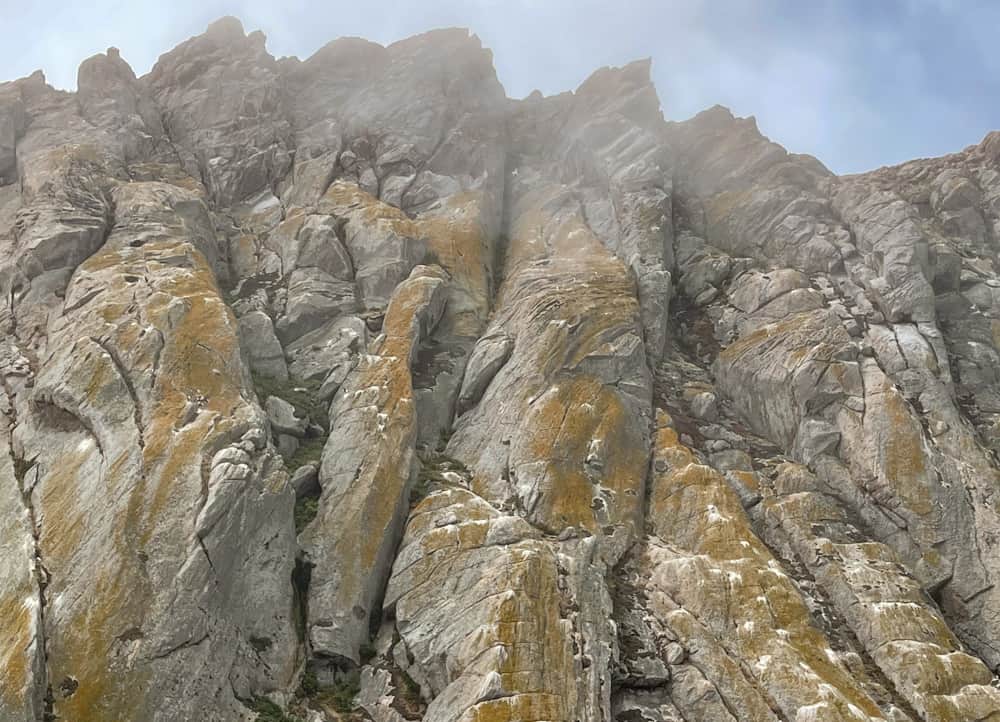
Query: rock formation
[351,389]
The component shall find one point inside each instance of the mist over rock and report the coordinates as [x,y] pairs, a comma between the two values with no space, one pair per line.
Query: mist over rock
[348,388]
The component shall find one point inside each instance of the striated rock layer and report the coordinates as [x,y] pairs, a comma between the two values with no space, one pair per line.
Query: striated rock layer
[351,389]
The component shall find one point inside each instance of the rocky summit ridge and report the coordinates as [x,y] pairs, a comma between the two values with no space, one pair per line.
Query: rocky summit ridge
[351,389]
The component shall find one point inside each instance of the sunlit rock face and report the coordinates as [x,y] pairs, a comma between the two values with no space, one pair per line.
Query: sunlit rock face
[348,388]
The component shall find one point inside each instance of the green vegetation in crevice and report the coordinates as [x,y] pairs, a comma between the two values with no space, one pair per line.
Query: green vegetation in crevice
[338,697]
[268,711]
[306,508]
[310,451]
[309,685]
[304,396]
[341,695]
[420,489]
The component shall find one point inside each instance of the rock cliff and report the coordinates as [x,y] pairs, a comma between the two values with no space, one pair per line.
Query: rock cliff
[351,389]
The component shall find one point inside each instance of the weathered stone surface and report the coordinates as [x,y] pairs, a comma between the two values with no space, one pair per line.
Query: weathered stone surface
[329,351]
[576,381]
[489,355]
[305,480]
[12,122]
[264,353]
[222,102]
[712,582]
[500,623]
[111,97]
[366,473]
[22,658]
[155,597]
[884,606]
[283,418]
[609,129]
[628,420]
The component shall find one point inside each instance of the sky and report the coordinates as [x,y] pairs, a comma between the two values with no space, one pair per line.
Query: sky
[857,83]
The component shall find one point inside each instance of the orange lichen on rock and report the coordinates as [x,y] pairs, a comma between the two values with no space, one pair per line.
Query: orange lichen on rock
[458,239]
[18,626]
[492,598]
[904,458]
[716,569]
[155,382]
[455,236]
[366,471]
[85,651]
[568,423]
[884,606]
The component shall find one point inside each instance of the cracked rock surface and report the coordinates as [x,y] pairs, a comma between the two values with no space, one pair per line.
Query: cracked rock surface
[349,389]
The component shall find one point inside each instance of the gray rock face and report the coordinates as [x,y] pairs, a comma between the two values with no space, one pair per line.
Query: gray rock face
[282,417]
[264,352]
[236,142]
[366,473]
[142,393]
[350,381]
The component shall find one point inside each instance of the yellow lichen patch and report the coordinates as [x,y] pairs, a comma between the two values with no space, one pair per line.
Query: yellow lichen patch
[383,477]
[973,702]
[528,230]
[384,470]
[243,256]
[720,668]
[342,197]
[17,623]
[573,238]
[366,487]
[792,333]
[578,441]
[454,234]
[904,459]
[194,396]
[535,657]
[408,308]
[167,173]
[579,418]
[60,505]
[748,479]
[456,238]
[468,534]
[199,373]
[547,222]
[530,707]
[106,259]
[494,612]
[886,608]
[718,571]
[83,650]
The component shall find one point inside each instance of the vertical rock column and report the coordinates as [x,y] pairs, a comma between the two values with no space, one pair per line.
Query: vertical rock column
[366,472]
[168,592]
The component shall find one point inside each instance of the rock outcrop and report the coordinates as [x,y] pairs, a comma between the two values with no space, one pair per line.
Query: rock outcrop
[351,389]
